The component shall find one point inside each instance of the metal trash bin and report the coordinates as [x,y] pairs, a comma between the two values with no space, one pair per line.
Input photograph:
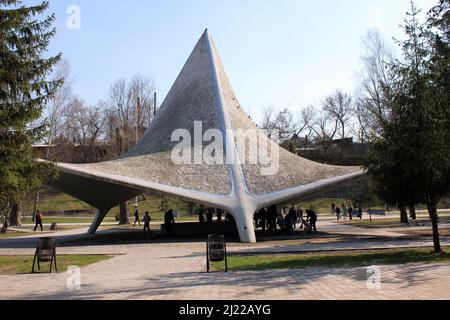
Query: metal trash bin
[45,252]
[216,250]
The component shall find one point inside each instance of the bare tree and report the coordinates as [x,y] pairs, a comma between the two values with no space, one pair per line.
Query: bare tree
[324,128]
[338,107]
[267,124]
[362,115]
[130,111]
[375,81]
[284,125]
[278,126]
[142,89]
[85,128]
[59,104]
[303,126]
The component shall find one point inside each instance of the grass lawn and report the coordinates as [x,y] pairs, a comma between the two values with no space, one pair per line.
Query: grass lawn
[392,222]
[61,202]
[12,234]
[331,260]
[23,264]
[62,220]
[376,223]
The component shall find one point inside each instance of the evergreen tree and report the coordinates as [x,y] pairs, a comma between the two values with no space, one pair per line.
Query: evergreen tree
[25,34]
[411,161]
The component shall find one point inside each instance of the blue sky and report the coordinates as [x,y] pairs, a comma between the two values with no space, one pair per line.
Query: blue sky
[284,53]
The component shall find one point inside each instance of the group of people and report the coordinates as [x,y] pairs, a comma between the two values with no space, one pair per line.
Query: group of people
[267,218]
[169,221]
[209,213]
[270,219]
[345,212]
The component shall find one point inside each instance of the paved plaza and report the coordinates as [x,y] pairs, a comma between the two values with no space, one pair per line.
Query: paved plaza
[176,270]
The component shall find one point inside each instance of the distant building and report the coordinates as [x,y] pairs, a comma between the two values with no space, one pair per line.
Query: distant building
[344,152]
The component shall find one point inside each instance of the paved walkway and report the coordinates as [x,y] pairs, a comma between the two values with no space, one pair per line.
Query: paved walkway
[176,271]
[346,229]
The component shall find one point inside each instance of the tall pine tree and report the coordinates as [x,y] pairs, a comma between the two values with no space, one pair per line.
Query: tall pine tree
[25,33]
[411,161]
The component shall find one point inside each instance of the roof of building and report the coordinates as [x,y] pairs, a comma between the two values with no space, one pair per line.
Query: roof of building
[203,93]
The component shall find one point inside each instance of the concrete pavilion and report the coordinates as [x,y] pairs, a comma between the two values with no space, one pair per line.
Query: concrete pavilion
[203,93]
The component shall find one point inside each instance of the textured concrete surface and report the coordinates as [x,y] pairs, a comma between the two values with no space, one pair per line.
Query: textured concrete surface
[192,98]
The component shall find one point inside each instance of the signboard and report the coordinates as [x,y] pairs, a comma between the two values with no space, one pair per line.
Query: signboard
[377,212]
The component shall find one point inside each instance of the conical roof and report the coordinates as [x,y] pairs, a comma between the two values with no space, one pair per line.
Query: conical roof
[202,93]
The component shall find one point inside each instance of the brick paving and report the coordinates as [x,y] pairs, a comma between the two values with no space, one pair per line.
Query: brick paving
[177,271]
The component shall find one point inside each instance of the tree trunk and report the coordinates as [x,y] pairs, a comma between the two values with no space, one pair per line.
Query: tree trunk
[123,214]
[15,216]
[403,214]
[434,222]
[412,212]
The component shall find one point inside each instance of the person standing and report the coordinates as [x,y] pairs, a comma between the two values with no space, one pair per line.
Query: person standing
[360,213]
[300,217]
[333,209]
[136,216]
[344,210]
[39,217]
[209,215]
[146,221]
[312,219]
[169,221]
[350,213]
[263,219]
[219,215]
[272,218]
[338,213]
[201,212]
[293,218]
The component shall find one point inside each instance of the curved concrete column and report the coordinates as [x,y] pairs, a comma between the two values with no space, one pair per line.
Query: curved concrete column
[101,213]
[244,223]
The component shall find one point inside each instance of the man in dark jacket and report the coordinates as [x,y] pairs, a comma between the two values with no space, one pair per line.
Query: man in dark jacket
[136,216]
[146,221]
[312,219]
[169,221]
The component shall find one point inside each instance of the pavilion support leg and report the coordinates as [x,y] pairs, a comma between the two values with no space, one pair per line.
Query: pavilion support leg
[101,213]
[244,224]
